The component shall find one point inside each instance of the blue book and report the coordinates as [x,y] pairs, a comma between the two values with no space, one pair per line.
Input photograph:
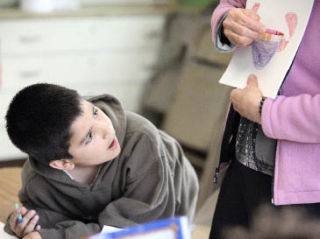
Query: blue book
[171,228]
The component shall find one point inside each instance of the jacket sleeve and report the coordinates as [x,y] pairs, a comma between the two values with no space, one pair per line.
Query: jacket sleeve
[295,118]
[218,16]
[55,225]
[149,191]
[70,230]
[65,228]
[58,226]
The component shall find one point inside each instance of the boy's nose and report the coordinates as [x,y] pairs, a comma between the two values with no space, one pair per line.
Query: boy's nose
[104,129]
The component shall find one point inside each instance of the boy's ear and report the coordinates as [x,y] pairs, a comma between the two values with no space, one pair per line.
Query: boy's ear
[62,164]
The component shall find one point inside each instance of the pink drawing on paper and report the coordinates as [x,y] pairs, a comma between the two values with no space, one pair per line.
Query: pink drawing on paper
[292,21]
[265,47]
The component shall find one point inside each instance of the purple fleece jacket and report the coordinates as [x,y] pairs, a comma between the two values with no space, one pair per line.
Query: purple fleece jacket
[293,118]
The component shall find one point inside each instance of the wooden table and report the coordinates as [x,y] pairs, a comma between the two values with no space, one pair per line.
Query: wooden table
[200,232]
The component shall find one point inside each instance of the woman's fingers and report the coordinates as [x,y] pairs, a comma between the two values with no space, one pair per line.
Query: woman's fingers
[242,26]
[238,39]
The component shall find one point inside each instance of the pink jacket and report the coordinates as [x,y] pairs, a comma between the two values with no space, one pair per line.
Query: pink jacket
[293,118]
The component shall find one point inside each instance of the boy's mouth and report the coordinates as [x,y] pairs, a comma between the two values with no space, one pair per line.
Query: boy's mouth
[113,144]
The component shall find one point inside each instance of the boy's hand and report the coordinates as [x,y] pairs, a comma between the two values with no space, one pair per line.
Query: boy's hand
[242,26]
[33,235]
[29,224]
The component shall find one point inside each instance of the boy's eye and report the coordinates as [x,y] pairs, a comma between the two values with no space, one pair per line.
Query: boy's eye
[89,138]
[95,112]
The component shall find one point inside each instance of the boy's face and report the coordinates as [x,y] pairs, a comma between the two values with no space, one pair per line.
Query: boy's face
[93,139]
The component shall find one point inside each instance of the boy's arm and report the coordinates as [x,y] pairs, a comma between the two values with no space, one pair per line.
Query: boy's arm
[58,226]
[150,190]
[55,225]
[22,221]
[70,230]
[146,198]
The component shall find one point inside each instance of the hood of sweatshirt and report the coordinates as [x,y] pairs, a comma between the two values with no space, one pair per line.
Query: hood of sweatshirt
[113,109]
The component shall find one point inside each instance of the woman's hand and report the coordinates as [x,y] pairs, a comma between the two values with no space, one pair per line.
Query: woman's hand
[246,101]
[242,26]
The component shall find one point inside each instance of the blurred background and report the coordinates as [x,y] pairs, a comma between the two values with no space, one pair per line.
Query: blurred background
[155,56]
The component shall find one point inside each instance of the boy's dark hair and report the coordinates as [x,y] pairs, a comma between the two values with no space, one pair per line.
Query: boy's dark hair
[39,120]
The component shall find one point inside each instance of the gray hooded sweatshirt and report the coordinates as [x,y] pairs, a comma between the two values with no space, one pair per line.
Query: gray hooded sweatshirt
[149,180]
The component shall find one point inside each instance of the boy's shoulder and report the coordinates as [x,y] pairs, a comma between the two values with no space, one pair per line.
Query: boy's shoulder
[137,124]
[32,182]
[28,173]
[142,147]
[141,131]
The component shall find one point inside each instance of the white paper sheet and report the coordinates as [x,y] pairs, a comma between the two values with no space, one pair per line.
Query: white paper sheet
[287,16]
[108,229]
[4,235]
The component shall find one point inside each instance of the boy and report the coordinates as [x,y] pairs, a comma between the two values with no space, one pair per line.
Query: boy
[92,164]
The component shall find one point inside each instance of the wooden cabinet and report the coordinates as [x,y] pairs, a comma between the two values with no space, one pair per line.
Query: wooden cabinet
[70,34]
[92,54]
